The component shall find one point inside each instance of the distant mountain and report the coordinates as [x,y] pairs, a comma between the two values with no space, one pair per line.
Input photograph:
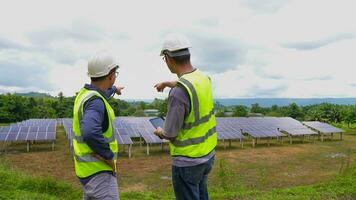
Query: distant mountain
[33,94]
[268,102]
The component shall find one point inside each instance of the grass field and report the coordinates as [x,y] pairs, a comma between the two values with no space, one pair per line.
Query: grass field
[320,170]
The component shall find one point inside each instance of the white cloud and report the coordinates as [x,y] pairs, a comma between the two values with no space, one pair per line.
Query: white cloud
[275,49]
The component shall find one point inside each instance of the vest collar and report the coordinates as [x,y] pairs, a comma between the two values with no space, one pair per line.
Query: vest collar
[194,69]
[92,87]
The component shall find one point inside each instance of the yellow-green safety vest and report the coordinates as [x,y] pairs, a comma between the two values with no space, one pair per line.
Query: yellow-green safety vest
[198,136]
[85,164]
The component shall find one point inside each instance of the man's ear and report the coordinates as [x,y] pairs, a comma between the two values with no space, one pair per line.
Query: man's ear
[111,76]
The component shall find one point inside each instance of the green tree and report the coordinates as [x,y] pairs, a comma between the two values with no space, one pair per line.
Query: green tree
[256,108]
[350,115]
[294,111]
[240,111]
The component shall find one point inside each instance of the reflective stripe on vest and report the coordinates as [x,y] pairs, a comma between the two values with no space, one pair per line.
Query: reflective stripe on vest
[90,158]
[197,140]
[197,120]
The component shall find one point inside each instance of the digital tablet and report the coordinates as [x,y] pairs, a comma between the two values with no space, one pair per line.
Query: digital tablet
[157,122]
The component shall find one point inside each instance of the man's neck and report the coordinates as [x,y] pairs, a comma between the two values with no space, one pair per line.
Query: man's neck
[99,85]
[184,69]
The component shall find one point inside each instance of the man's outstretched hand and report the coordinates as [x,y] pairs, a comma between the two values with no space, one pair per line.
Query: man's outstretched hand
[160,86]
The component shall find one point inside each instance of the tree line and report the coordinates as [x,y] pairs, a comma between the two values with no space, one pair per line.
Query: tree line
[14,108]
[324,112]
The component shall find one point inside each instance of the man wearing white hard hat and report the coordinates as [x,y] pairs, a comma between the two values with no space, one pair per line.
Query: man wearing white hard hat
[190,124]
[95,147]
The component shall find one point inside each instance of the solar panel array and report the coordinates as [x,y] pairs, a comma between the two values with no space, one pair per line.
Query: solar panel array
[137,127]
[323,127]
[291,126]
[29,130]
[38,122]
[228,129]
[258,127]
[122,137]
[67,125]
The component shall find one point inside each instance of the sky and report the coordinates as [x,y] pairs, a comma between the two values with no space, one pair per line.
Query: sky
[249,48]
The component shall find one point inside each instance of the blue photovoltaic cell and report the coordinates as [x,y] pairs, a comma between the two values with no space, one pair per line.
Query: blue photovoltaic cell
[3,136]
[51,133]
[5,129]
[32,134]
[14,131]
[22,136]
[227,128]
[42,133]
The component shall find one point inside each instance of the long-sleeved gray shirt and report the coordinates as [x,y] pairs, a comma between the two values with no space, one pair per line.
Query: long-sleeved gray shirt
[178,109]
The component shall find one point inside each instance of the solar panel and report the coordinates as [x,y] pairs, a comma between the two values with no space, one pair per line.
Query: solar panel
[3,132]
[5,129]
[14,131]
[296,132]
[42,133]
[122,139]
[23,133]
[32,134]
[51,133]
[137,127]
[149,137]
[256,127]
[228,129]
[3,136]
[323,127]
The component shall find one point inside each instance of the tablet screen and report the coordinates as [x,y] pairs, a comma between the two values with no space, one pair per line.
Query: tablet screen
[157,122]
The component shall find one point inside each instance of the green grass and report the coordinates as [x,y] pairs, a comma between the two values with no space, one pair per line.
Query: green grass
[342,187]
[14,185]
[17,186]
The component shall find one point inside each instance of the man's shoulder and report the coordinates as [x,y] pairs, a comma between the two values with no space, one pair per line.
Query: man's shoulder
[179,94]
[94,103]
[179,90]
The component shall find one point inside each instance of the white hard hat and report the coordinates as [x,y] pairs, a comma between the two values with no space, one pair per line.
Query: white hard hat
[174,43]
[101,64]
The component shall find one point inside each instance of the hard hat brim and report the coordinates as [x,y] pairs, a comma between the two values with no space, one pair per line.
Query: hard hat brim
[181,52]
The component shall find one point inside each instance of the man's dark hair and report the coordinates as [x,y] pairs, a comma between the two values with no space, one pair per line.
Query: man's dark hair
[180,60]
[95,79]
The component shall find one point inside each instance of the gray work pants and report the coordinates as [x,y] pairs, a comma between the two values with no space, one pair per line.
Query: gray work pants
[102,186]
